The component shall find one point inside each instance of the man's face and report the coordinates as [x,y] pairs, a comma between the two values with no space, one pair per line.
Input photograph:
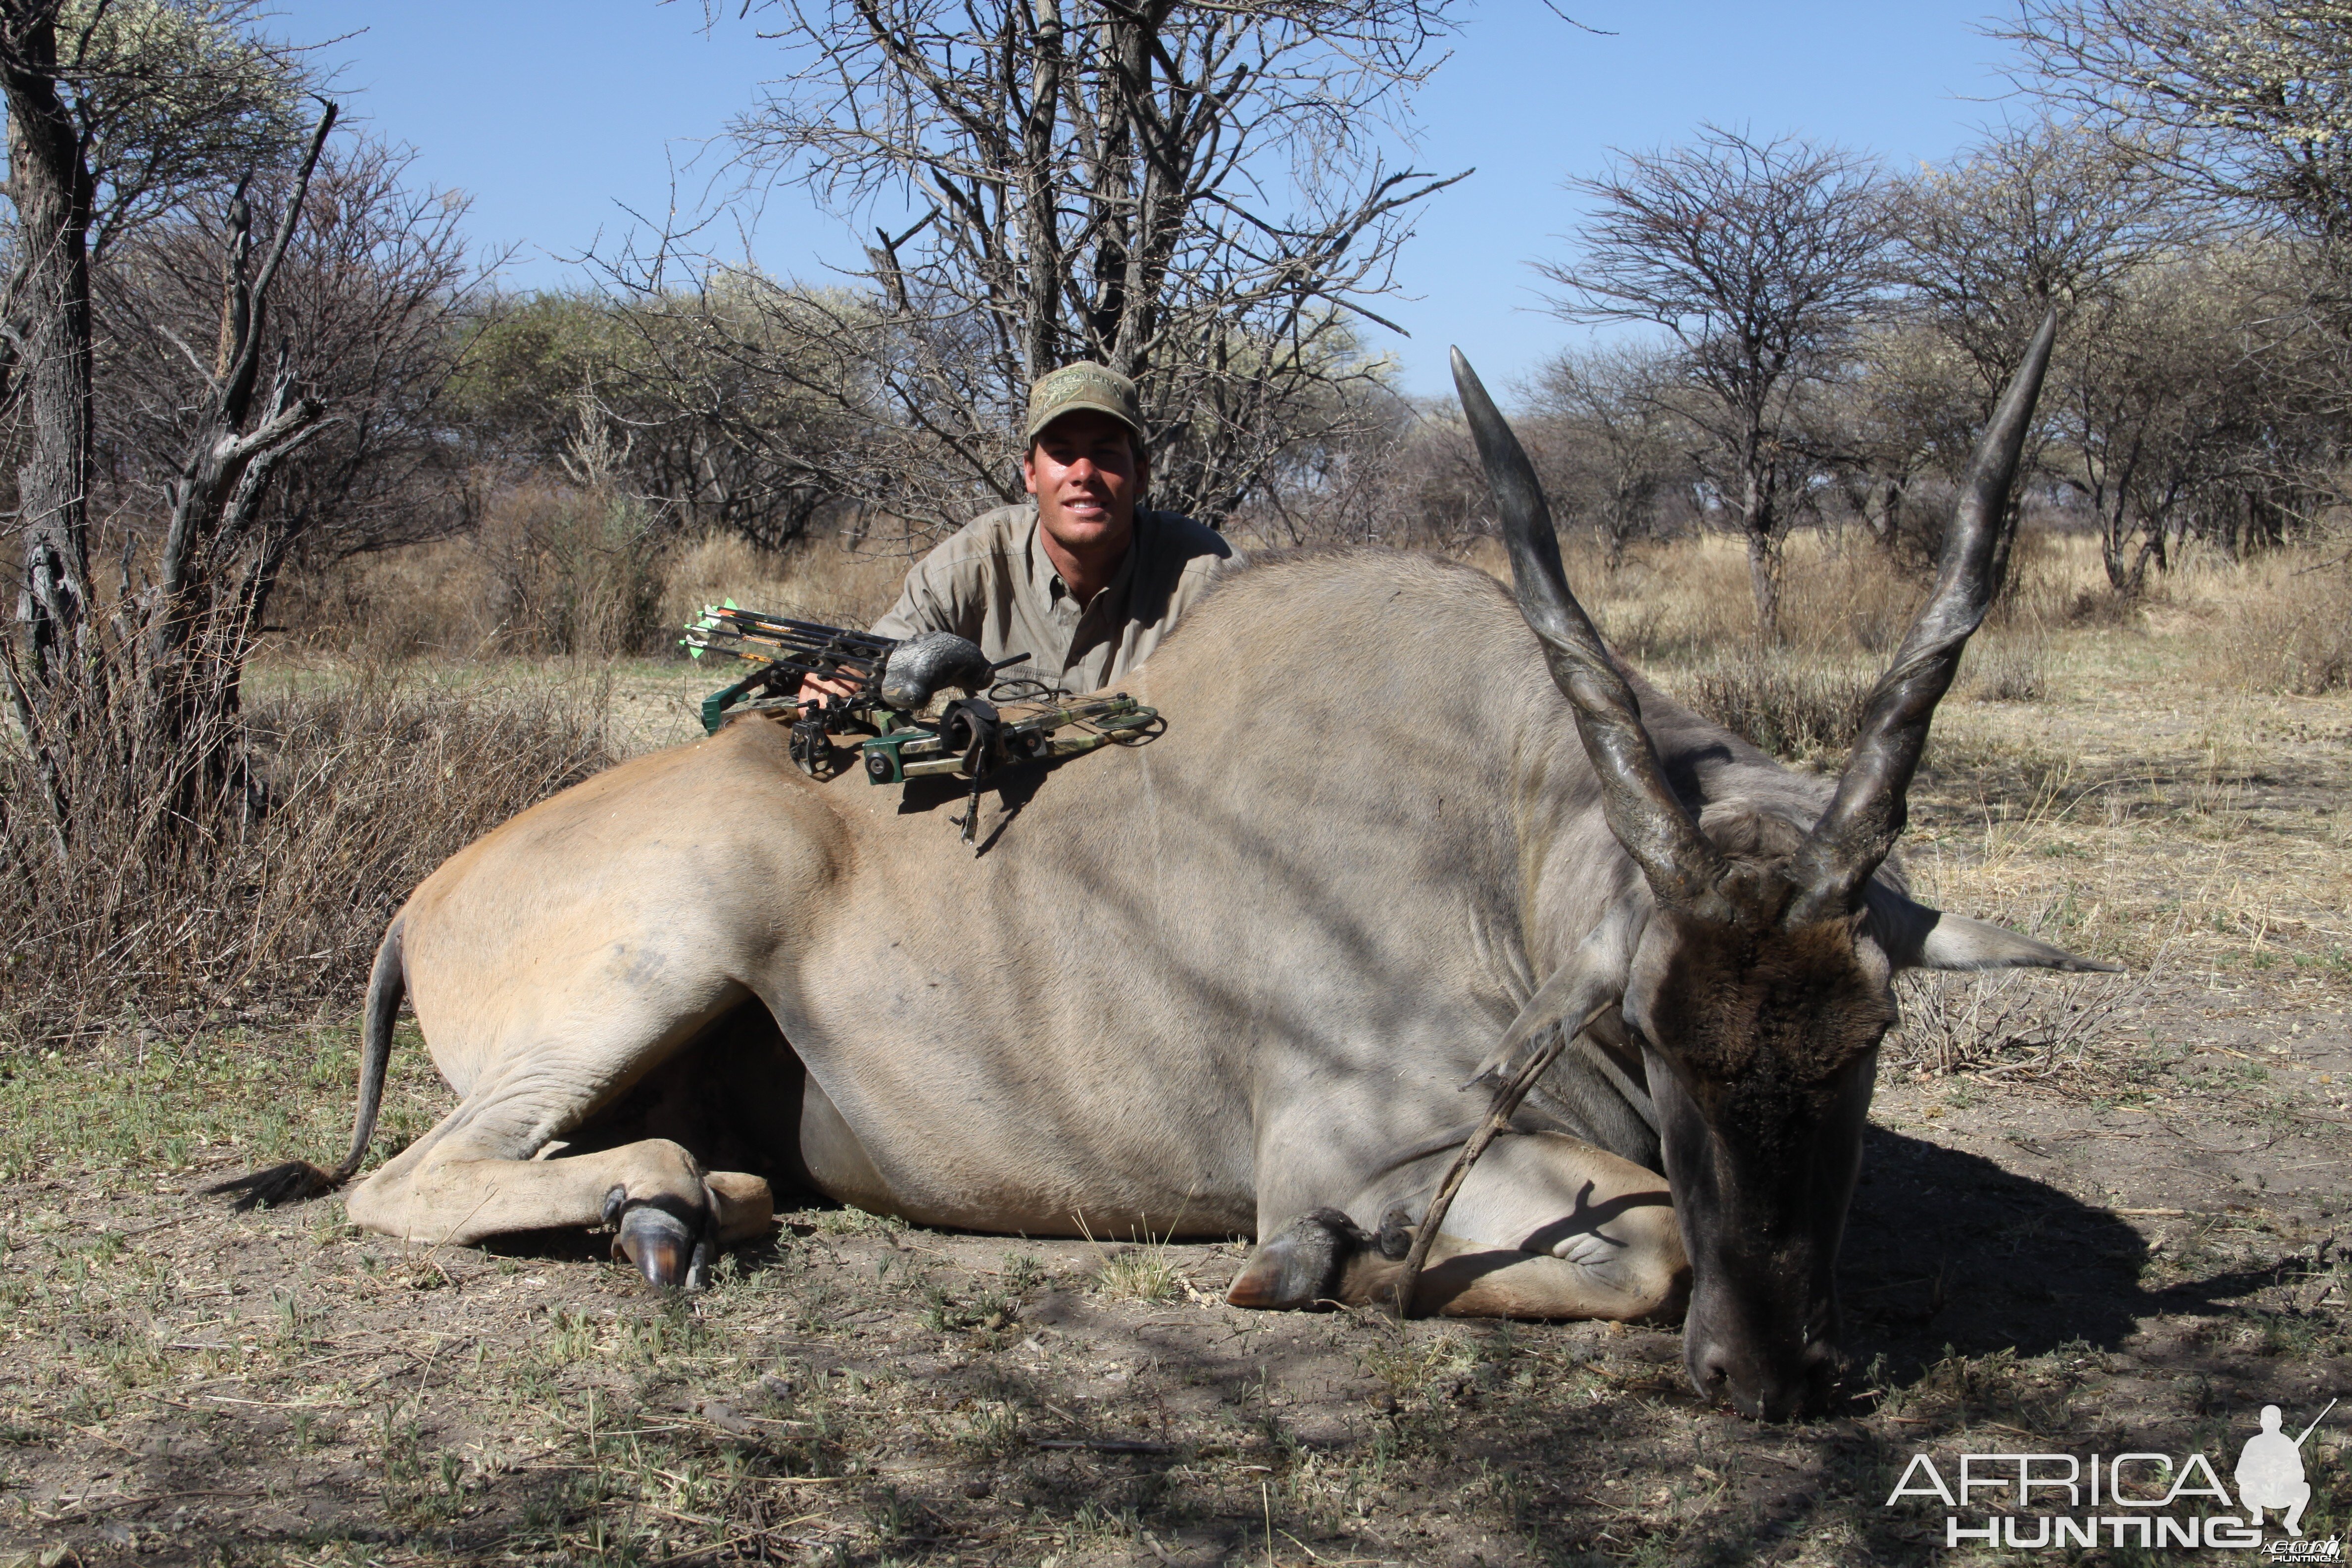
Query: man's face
[1082,470]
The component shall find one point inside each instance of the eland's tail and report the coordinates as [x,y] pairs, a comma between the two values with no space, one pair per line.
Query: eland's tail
[298,1179]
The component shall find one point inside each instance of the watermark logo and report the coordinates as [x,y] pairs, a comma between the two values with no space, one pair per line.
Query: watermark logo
[2028,1501]
[2269,1471]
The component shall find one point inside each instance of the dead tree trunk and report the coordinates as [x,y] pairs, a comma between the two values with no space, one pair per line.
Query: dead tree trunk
[133,713]
[53,671]
[219,560]
[1760,525]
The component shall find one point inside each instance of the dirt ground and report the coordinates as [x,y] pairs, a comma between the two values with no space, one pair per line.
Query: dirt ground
[2095,1215]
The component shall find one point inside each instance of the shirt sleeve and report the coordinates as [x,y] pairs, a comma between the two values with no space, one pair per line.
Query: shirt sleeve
[936,598]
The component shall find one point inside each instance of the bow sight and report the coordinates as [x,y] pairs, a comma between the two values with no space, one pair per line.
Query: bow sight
[971,738]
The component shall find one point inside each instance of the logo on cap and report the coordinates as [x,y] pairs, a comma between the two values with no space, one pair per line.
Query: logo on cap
[1084,386]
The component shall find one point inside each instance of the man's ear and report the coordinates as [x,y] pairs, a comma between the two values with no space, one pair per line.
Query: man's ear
[1029,468]
[1914,936]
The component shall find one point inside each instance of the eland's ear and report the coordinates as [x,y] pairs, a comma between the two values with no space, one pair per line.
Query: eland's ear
[1914,936]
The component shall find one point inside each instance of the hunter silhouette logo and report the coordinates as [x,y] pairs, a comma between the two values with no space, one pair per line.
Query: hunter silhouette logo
[2270,1472]
[2154,1502]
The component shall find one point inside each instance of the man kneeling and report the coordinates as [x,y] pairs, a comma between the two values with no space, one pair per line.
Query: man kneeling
[1084,580]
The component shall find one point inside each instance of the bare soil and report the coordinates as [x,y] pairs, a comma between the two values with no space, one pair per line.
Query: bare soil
[2094,1217]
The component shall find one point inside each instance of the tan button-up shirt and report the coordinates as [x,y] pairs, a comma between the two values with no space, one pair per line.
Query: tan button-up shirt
[992,582]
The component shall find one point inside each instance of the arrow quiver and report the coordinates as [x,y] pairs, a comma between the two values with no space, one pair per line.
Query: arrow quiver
[786,652]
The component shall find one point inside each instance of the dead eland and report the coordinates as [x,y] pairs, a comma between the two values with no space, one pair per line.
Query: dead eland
[1234,981]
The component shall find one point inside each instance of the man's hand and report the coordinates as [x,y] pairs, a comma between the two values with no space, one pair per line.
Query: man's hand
[814,689]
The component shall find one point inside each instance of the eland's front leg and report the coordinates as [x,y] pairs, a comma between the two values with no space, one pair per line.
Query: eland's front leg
[1545,1227]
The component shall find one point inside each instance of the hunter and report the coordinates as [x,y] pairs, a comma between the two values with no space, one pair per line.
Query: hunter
[1083,580]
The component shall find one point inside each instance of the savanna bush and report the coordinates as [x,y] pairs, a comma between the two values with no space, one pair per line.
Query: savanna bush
[573,570]
[1793,710]
[2292,631]
[361,783]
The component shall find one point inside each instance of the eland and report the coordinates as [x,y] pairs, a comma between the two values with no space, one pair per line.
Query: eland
[1241,980]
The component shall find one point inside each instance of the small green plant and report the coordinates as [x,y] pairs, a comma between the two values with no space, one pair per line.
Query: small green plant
[571,1335]
[889,1512]
[991,1431]
[817,1309]
[1409,1366]
[987,1314]
[1022,1273]
[855,1222]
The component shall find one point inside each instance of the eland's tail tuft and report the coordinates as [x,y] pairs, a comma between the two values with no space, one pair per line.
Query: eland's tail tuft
[276,1186]
[298,1179]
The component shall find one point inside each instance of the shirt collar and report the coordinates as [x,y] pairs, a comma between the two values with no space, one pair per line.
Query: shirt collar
[1041,565]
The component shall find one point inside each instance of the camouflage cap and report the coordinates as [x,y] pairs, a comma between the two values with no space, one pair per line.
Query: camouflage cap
[1084,385]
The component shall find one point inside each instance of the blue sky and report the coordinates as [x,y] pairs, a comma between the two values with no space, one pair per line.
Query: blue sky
[558,117]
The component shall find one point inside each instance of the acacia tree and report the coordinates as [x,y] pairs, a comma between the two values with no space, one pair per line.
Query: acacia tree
[2039,215]
[1900,411]
[2042,215]
[1758,257]
[1388,471]
[712,401]
[1195,193]
[2163,412]
[1610,441]
[2247,100]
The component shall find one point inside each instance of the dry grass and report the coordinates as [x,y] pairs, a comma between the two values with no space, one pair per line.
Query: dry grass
[825,581]
[2011,668]
[2094,1209]
[1684,612]
[557,570]
[553,569]
[2288,625]
[1794,708]
[2012,1022]
[372,779]
[1841,595]
[571,570]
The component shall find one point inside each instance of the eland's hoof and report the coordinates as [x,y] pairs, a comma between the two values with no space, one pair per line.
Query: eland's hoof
[662,1247]
[1301,1266]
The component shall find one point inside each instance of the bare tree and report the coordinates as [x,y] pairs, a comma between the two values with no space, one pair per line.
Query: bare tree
[1610,440]
[1195,193]
[742,413]
[1759,257]
[360,313]
[2037,214]
[1387,470]
[2164,410]
[2044,214]
[115,114]
[213,568]
[715,402]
